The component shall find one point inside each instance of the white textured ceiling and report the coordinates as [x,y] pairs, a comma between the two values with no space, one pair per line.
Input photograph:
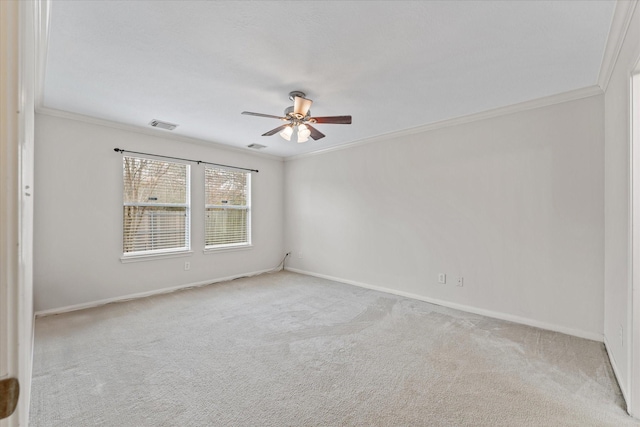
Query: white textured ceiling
[392,65]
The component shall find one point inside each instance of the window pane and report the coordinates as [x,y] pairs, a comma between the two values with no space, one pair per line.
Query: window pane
[152,181]
[227,220]
[148,223]
[225,226]
[151,228]
[226,187]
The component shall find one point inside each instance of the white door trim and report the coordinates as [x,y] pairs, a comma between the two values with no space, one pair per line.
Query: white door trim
[17,72]
[633,403]
[9,199]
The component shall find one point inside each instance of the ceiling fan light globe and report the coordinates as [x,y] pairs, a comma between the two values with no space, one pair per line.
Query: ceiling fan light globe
[303,133]
[286,133]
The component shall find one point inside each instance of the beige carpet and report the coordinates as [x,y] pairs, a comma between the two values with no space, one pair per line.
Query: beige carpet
[285,349]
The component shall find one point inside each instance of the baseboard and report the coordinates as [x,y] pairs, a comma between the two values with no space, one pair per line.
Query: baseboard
[130,297]
[470,309]
[616,371]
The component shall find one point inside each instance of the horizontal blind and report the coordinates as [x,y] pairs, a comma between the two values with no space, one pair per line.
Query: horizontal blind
[227,215]
[156,205]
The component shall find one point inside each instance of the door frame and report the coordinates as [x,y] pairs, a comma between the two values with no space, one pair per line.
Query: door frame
[18,33]
[633,403]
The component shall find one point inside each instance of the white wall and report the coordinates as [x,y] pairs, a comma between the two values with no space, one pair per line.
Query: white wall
[512,203]
[78,215]
[617,177]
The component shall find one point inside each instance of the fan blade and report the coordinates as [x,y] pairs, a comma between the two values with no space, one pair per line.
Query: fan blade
[340,120]
[301,105]
[249,113]
[315,133]
[276,130]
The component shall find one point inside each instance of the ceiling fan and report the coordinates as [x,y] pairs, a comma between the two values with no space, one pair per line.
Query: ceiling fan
[299,120]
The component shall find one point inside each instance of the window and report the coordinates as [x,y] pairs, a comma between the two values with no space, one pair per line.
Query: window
[156,206]
[228,200]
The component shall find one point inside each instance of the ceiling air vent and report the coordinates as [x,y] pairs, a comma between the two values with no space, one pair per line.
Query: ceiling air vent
[162,125]
[257,146]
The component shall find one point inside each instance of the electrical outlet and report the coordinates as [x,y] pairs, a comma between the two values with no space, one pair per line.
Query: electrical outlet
[299,255]
[187,265]
[460,282]
[442,278]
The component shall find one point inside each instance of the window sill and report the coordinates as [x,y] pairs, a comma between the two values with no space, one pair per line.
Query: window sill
[228,248]
[150,257]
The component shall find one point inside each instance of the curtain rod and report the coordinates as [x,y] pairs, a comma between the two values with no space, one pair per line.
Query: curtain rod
[119,150]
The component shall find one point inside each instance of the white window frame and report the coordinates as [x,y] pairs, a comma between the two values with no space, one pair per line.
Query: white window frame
[167,252]
[247,207]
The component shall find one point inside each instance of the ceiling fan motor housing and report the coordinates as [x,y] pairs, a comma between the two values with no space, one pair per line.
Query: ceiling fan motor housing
[293,94]
[288,112]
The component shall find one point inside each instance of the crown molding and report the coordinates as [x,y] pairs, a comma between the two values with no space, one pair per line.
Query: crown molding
[617,33]
[496,112]
[158,133]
